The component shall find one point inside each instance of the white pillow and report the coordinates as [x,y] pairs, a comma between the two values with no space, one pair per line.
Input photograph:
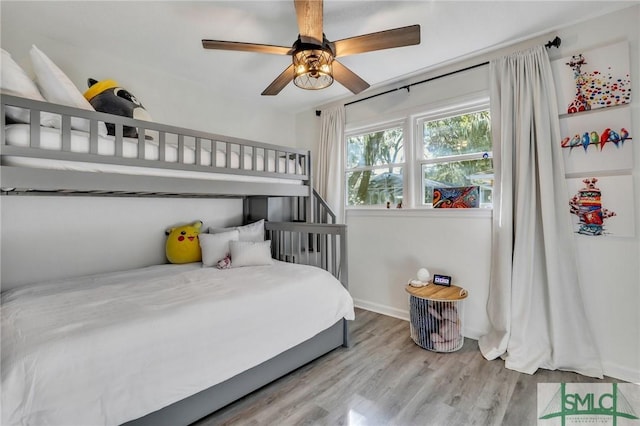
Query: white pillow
[251,232]
[250,253]
[14,81]
[216,246]
[57,88]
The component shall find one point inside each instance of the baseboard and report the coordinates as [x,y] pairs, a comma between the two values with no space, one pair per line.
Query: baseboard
[620,372]
[382,309]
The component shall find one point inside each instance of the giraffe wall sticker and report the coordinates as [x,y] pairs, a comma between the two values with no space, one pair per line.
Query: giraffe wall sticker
[579,102]
[597,89]
[593,78]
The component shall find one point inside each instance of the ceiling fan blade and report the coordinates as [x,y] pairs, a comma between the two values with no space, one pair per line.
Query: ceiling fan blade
[246,47]
[398,37]
[348,78]
[280,82]
[309,14]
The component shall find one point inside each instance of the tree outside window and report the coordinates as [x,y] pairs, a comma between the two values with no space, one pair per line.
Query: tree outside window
[374,169]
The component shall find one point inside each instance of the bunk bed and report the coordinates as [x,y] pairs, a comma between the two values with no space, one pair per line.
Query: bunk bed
[36,158]
[176,162]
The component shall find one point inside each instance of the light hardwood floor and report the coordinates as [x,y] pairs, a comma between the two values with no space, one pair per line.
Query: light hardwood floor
[386,379]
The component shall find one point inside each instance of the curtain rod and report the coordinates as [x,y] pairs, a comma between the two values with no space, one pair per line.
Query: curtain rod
[552,43]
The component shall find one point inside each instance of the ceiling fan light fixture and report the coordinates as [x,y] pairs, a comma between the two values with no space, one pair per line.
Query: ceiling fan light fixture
[313,68]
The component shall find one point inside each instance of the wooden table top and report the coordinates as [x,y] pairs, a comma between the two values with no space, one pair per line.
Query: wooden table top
[437,292]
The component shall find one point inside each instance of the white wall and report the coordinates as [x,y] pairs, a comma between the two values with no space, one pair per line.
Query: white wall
[387,247]
[49,237]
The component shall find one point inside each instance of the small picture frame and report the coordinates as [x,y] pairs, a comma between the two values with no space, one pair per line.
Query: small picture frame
[444,280]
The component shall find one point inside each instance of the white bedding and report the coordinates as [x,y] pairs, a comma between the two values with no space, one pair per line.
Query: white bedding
[113,347]
[50,139]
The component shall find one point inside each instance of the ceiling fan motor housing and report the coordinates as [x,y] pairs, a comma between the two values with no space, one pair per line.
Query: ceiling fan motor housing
[312,65]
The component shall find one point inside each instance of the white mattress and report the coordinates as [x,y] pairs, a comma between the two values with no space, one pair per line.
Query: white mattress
[50,139]
[113,347]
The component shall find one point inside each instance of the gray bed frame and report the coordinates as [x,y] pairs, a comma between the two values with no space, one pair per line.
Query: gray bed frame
[26,179]
[307,235]
[212,399]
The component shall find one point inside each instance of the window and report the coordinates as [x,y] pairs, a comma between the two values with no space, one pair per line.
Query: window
[449,146]
[375,165]
[456,151]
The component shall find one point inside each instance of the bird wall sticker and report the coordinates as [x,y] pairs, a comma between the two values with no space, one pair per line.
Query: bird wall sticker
[586,139]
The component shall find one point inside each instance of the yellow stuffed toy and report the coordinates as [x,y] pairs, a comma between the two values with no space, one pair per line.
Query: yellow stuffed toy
[183,245]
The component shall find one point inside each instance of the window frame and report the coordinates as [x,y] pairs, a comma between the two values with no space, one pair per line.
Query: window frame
[452,110]
[373,128]
[411,124]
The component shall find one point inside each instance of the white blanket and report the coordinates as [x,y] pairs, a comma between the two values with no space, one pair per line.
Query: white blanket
[110,348]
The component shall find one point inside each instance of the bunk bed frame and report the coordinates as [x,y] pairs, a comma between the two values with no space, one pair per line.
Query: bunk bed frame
[308,234]
[80,181]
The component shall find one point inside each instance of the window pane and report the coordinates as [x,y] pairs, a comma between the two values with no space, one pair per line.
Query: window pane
[375,149]
[373,187]
[459,173]
[463,134]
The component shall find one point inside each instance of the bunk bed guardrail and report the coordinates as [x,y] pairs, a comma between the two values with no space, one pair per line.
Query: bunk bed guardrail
[194,151]
[318,244]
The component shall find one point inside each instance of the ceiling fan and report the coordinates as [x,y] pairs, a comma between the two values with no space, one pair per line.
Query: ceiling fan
[314,64]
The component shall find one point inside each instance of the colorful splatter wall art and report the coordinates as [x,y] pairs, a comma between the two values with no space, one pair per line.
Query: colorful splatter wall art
[602,206]
[596,78]
[462,197]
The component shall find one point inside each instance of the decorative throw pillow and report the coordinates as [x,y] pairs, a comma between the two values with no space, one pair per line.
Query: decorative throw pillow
[215,247]
[14,81]
[251,232]
[182,243]
[57,88]
[250,253]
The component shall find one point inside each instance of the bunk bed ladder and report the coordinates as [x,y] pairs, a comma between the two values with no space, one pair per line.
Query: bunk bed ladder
[320,212]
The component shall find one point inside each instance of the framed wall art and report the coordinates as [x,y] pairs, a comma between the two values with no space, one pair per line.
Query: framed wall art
[602,206]
[593,79]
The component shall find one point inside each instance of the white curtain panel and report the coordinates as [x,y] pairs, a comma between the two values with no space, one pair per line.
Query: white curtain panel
[330,160]
[535,305]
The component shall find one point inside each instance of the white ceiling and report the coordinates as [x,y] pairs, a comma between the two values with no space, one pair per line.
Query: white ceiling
[168,35]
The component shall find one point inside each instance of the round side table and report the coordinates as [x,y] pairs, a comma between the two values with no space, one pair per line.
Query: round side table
[436,316]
